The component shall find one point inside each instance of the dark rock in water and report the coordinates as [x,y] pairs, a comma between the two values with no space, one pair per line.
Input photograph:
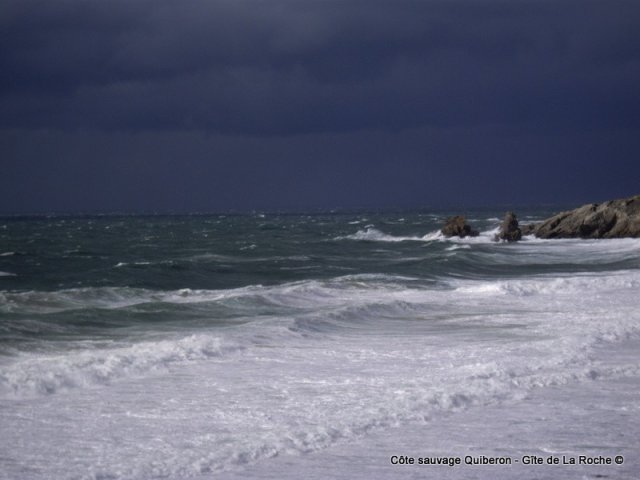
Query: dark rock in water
[509,229]
[457,227]
[613,219]
[528,229]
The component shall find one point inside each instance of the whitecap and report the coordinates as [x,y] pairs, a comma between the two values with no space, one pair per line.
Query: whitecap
[126,264]
[435,235]
[484,237]
[48,374]
[375,235]
[457,247]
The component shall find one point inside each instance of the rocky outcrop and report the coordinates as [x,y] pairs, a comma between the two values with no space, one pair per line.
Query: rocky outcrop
[458,227]
[528,229]
[509,230]
[613,219]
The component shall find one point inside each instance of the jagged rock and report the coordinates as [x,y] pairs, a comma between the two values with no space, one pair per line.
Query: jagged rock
[509,229]
[457,227]
[613,219]
[528,229]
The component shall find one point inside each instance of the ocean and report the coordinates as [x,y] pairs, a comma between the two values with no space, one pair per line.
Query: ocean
[324,345]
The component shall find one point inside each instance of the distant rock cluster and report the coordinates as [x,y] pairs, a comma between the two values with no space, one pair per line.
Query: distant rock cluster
[458,227]
[612,219]
[509,230]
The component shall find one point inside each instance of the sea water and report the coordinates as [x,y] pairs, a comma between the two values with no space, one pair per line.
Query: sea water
[313,346]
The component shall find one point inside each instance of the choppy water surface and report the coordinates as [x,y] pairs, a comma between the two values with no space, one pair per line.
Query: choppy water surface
[177,346]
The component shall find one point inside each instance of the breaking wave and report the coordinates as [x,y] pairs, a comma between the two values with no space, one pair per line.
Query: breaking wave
[47,374]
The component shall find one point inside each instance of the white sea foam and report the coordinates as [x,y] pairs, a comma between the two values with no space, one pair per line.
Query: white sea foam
[457,247]
[375,235]
[39,374]
[308,293]
[320,362]
[529,250]
[484,237]
[72,299]
[7,274]
[559,286]
[349,304]
[435,235]
[126,264]
[208,414]
[550,421]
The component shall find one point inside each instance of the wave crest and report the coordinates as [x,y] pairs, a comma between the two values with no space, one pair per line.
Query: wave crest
[47,374]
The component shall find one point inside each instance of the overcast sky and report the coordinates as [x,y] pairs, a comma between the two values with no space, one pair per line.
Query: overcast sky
[159,105]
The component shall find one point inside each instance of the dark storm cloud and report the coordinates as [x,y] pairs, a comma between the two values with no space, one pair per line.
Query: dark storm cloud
[283,67]
[167,105]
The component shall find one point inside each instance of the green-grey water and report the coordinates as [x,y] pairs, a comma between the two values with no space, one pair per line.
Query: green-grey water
[178,346]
